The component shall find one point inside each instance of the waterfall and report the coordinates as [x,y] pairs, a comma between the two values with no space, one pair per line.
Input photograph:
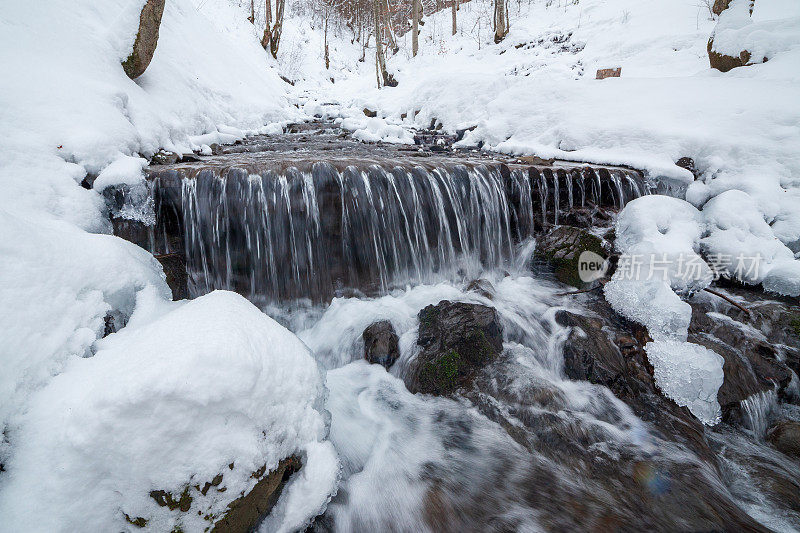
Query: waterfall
[278,232]
[756,410]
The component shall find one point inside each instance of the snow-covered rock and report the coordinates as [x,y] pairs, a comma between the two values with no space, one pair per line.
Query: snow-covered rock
[660,235]
[184,393]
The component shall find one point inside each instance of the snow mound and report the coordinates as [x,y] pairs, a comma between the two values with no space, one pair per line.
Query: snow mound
[57,286]
[660,234]
[784,279]
[689,374]
[212,386]
[740,241]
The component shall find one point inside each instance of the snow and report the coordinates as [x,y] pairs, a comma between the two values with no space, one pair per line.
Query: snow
[736,31]
[124,170]
[165,404]
[663,234]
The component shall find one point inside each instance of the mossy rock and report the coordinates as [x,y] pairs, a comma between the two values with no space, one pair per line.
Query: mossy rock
[146,39]
[562,247]
[457,339]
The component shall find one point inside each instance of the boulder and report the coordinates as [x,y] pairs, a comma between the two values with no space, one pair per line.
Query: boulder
[146,39]
[723,62]
[720,6]
[786,437]
[483,287]
[752,364]
[561,248]
[604,73]
[456,338]
[381,344]
[246,513]
[370,113]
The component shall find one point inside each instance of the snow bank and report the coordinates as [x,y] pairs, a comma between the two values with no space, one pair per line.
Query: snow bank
[168,403]
[57,286]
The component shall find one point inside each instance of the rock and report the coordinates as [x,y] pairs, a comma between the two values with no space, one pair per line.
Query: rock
[786,437]
[604,73]
[370,113]
[174,266]
[456,339]
[164,157]
[562,246]
[752,364]
[482,287]
[245,513]
[720,6]
[381,344]
[723,62]
[146,39]
[688,164]
[607,350]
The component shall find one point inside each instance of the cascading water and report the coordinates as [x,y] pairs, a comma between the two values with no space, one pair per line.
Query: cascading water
[313,230]
[329,243]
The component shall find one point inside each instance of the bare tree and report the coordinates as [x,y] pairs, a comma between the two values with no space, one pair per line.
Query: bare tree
[272,32]
[416,13]
[454,5]
[500,20]
[327,55]
[384,78]
[252,17]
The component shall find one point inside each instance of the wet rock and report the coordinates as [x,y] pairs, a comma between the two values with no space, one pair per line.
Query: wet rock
[456,339]
[607,350]
[174,266]
[146,39]
[786,437]
[562,246]
[483,287]
[381,344]
[754,363]
[536,160]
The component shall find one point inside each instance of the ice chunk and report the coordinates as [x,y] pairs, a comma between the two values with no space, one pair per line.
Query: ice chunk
[652,304]
[689,374]
[210,387]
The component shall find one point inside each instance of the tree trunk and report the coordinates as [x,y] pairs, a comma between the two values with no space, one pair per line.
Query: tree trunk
[275,38]
[416,12]
[380,59]
[454,6]
[265,40]
[252,17]
[500,20]
[387,24]
[327,56]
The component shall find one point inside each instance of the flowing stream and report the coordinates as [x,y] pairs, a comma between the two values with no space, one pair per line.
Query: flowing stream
[331,240]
